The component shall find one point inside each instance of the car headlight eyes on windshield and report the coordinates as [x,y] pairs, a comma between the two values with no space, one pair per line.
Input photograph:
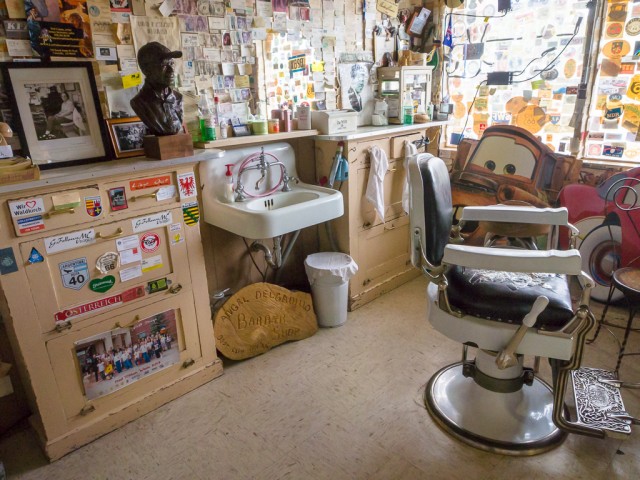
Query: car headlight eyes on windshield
[510,169]
[490,164]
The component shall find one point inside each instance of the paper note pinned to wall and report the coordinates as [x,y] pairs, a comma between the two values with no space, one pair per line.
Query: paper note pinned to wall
[131,80]
[317,67]
[388,7]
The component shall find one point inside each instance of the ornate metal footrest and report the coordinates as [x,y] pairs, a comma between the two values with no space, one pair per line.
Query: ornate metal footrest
[599,402]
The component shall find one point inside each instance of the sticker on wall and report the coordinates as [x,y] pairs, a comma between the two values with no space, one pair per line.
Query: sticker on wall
[190,213]
[107,262]
[612,151]
[595,150]
[74,273]
[150,242]
[142,183]
[152,263]
[616,49]
[28,207]
[531,118]
[633,27]
[118,199]
[627,68]
[102,285]
[35,256]
[614,30]
[69,241]
[7,261]
[617,12]
[142,224]
[30,224]
[570,68]
[187,185]
[157,285]
[634,88]
[93,205]
[101,304]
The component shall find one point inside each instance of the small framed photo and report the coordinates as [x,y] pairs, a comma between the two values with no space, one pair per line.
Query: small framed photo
[118,199]
[58,115]
[127,135]
[241,130]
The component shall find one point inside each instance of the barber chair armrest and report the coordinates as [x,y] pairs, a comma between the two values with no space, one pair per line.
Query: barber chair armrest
[566,262]
[517,214]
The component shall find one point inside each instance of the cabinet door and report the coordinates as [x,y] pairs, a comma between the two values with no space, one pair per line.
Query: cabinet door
[397,143]
[82,272]
[383,252]
[360,151]
[39,214]
[102,367]
[393,185]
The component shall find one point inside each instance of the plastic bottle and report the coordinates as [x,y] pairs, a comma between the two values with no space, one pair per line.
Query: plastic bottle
[407,108]
[223,130]
[228,184]
[207,118]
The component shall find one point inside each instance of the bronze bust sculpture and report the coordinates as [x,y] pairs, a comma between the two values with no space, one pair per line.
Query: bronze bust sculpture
[157,104]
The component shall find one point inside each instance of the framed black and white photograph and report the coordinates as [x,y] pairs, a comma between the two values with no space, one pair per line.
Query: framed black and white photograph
[356,91]
[59,119]
[127,135]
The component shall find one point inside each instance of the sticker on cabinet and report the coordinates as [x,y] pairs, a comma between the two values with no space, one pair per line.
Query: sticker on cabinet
[127,243]
[30,224]
[93,205]
[118,199]
[68,241]
[187,185]
[142,183]
[166,193]
[74,273]
[101,285]
[152,263]
[65,201]
[35,256]
[28,207]
[130,273]
[7,261]
[130,256]
[101,304]
[107,262]
[150,242]
[191,213]
[148,222]
[157,285]
[146,348]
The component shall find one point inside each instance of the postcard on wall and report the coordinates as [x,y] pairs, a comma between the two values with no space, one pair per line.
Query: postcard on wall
[117,358]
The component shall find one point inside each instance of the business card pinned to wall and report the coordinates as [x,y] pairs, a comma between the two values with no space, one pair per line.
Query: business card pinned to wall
[131,80]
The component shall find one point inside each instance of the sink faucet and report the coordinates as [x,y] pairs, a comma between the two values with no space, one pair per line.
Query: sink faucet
[263,165]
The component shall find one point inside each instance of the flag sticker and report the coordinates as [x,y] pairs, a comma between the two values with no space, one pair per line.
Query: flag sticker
[190,213]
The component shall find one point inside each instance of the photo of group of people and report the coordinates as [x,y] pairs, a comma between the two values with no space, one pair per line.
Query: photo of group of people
[120,357]
[57,110]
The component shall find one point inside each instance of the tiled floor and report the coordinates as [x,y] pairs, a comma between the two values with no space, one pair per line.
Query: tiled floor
[343,404]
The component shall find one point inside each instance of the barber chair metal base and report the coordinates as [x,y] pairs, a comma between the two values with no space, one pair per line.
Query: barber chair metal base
[518,423]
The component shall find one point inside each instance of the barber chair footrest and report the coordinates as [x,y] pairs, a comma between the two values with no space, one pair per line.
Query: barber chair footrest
[598,402]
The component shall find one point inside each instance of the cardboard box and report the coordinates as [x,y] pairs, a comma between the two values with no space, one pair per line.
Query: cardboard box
[331,122]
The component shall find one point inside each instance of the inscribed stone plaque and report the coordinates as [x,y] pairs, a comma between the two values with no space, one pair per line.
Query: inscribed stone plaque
[261,316]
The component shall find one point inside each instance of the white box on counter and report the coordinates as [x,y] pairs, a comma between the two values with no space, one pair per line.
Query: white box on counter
[330,122]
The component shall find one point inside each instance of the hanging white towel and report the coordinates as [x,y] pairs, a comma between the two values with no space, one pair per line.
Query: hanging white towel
[375,184]
[409,151]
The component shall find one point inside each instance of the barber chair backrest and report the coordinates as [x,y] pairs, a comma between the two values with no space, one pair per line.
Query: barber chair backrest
[431,208]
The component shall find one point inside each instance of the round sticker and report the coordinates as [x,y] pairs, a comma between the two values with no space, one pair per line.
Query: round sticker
[595,149]
[631,153]
[531,118]
[150,242]
[549,74]
[633,29]
[515,105]
[107,262]
[633,91]
[616,49]
[614,30]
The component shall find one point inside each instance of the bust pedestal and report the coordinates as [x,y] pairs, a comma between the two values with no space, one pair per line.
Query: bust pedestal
[168,146]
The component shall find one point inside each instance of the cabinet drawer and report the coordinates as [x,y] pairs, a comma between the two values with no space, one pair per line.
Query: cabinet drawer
[88,390]
[397,143]
[53,210]
[81,272]
[383,252]
[159,190]
[393,185]
[360,151]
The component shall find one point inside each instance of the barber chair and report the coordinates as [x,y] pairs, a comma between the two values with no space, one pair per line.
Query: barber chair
[506,303]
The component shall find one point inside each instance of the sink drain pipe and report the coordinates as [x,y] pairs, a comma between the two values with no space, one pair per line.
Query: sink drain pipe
[278,258]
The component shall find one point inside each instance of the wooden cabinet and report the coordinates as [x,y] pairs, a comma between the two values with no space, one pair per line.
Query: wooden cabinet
[380,247]
[105,297]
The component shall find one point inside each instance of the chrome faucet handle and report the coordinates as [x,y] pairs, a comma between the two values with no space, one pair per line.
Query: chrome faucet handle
[240,193]
[286,179]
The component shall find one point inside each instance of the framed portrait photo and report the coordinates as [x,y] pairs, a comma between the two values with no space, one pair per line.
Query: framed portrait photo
[127,135]
[59,117]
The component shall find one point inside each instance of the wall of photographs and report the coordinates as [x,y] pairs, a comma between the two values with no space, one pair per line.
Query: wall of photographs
[613,128]
[541,42]
[254,55]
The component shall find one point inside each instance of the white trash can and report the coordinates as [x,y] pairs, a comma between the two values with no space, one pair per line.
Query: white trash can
[329,274]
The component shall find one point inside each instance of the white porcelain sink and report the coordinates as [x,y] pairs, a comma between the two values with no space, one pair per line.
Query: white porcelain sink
[270,216]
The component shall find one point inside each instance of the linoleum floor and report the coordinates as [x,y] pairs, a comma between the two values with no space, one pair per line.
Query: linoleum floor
[343,404]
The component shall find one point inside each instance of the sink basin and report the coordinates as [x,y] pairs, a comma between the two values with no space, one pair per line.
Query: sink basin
[261,217]
[282,212]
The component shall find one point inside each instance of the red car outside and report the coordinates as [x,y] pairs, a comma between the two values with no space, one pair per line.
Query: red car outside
[608,217]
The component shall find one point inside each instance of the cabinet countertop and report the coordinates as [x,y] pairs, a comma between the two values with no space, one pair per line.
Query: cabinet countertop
[371,131]
[75,173]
